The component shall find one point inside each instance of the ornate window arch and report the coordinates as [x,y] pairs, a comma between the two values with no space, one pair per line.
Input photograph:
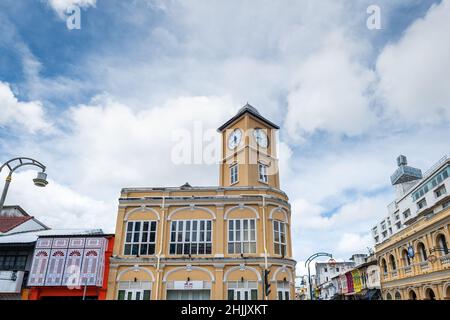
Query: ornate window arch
[412,294]
[282,269]
[135,269]
[422,251]
[392,262]
[279,209]
[441,243]
[191,208]
[141,209]
[240,207]
[383,265]
[241,267]
[189,268]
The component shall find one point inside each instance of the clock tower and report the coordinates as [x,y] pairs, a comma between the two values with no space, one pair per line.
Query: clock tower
[249,150]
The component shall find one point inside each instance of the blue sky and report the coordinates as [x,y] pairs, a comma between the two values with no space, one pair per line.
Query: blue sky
[99,105]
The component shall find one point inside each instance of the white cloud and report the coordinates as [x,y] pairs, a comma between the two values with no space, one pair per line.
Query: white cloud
[415,72]
[197,66]
[60,6]
[331,92]
[28,116]
[353,242]
[58,206]
[114,145]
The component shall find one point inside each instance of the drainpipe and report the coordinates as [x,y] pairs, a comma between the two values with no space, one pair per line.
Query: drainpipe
[264,237]
[160,247]
[264,230]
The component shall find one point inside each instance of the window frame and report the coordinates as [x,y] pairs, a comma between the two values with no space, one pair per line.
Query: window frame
[283,290]
[243,287]
[140,234]
[184,239]
[134,293]
[241,242]
[263,177]
[13,260]
[278,244]
[440,191]
[234,173]
[421,204]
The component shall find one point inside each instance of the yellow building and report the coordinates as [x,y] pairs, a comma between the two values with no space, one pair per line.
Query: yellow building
[412,242]
[210,242]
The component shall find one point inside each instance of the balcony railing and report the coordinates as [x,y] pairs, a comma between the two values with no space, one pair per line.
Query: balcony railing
[408,269]
[424,265]
[394,273]
[445,259]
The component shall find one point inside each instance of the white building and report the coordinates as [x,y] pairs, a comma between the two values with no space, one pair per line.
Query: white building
[326,271]
[415,194]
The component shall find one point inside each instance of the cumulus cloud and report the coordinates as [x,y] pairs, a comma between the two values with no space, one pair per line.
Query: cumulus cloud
[415,71]
[60,6]
[353,242]
[306,70]
[29,116]
[332,91]
[58,206]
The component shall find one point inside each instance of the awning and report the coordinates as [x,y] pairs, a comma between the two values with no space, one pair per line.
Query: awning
[372,294]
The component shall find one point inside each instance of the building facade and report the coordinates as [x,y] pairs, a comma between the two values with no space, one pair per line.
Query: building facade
[362,282]
[412,241]
[15,251]
[325,272]
[71,266]
[220,242]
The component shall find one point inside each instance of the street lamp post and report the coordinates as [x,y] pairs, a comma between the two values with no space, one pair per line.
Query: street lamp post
[302,282]
[308,261]
[17,163]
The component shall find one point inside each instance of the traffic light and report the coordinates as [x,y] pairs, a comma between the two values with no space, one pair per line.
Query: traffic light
[266,282]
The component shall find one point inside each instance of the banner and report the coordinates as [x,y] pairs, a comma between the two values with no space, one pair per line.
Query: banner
[357,284]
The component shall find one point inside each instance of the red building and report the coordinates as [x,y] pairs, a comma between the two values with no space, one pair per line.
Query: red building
[71,267]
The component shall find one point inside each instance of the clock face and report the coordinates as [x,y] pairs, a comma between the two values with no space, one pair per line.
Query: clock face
[234,139]
[261,137]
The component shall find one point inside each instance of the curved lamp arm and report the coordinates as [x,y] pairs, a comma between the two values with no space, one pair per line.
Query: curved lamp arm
[308,261]
[17,163]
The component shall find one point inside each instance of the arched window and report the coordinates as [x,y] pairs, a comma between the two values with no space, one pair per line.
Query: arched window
[442,244]
[388,296]
[412,295]
[423,252]
[392,262]
[384,265]
[430,294]
[398,296]
[406,259]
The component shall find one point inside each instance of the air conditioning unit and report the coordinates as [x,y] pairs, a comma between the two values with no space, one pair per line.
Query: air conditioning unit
[11,281]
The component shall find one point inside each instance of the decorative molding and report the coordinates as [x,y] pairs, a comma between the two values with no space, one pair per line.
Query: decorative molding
[142,208]
[279,209]
[240,206]
[135,268]
[191,207]
[189,268]
[282,269]
[241,267]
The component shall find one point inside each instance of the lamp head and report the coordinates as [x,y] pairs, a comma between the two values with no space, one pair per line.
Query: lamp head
[41,179]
